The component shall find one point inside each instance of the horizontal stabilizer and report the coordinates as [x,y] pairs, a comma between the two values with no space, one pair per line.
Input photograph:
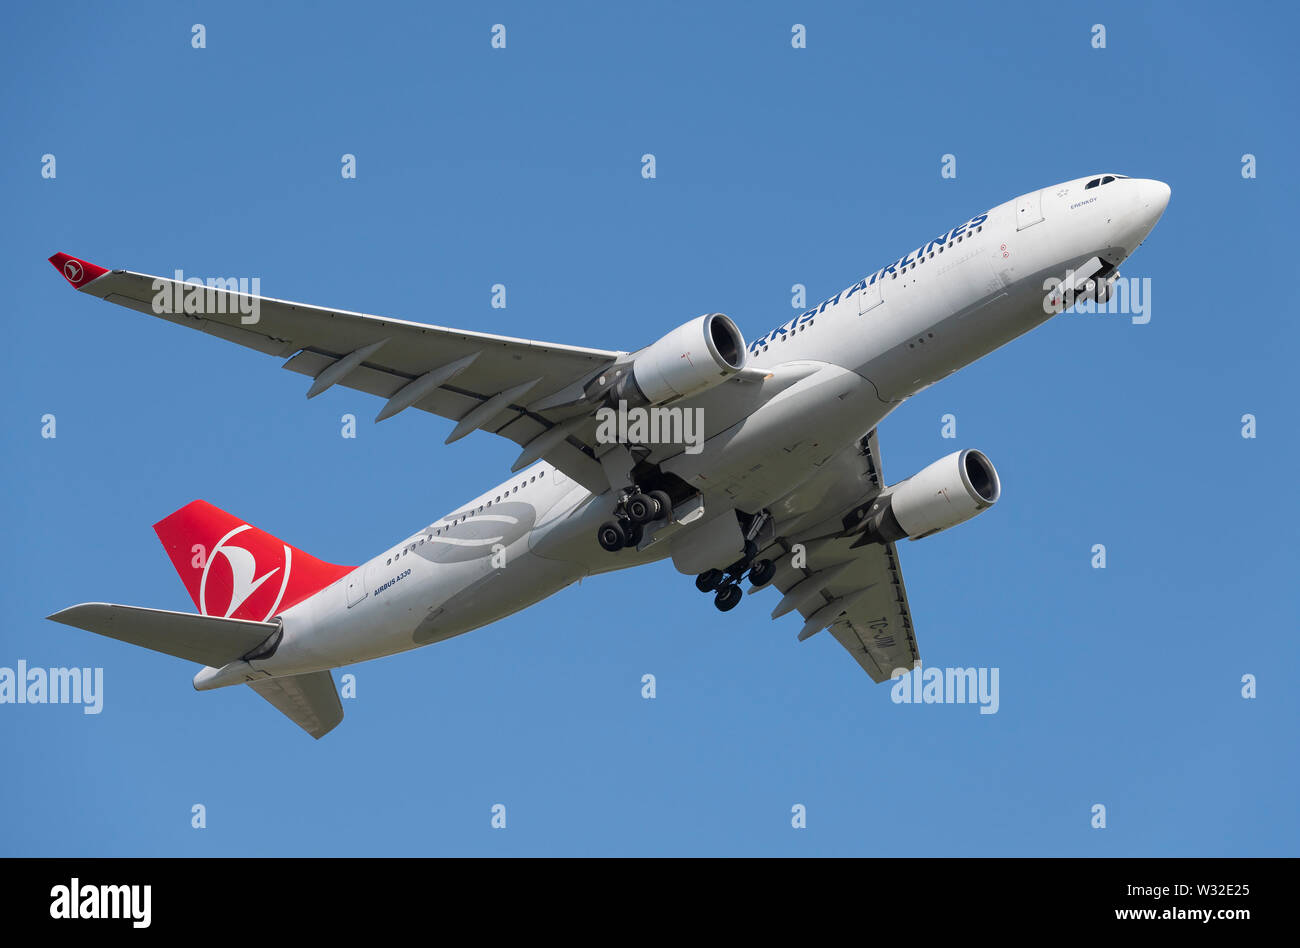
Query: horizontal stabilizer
[208,640]
[309,701]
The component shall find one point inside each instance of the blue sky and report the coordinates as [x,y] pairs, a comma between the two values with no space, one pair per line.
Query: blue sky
[775,166]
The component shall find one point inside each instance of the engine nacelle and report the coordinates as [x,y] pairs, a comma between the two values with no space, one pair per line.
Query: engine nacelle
[693,357]
[948,492]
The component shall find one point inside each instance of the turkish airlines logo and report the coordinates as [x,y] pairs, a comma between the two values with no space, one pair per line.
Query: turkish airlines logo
[72,270]
[244,577]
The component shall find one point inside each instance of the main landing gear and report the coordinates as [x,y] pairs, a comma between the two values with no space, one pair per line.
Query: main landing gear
[636,509]
[725,584]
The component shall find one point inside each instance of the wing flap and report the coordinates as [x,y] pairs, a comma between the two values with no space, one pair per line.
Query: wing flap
[877,628]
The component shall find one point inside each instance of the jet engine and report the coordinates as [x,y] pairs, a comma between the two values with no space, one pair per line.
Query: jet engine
[948,492]
[693,357]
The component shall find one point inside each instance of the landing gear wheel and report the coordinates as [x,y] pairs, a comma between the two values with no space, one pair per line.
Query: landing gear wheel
[641,508]
[612,535]
[728,597]
[709,580]
[761,573]
[634,534]
[665,504]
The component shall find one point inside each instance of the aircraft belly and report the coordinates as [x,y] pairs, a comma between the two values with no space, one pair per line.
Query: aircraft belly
[494,594]
[767,454]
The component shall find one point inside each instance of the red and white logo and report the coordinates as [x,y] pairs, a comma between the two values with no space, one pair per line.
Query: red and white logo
[234,570]
[243,580]
[77,272]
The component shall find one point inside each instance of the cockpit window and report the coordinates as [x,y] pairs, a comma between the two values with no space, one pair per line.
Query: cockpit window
[1097,182]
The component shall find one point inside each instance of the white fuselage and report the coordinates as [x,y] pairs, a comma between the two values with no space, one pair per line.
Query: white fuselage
[783,444]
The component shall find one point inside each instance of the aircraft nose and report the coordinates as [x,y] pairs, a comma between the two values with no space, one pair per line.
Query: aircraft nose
[1148,199]
[1156,197]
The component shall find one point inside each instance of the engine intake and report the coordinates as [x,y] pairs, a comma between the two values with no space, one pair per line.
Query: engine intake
[950,491]
[692,358]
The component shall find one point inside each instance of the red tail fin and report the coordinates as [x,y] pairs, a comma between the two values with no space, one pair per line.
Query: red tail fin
[237,571]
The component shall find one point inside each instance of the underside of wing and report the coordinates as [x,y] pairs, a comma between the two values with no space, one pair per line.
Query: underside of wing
[516,388]
[853,589]
[545,397]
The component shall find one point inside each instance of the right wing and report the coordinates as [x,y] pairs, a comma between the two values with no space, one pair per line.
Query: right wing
[855,591]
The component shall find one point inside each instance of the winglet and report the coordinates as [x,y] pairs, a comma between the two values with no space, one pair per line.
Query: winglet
[75,271]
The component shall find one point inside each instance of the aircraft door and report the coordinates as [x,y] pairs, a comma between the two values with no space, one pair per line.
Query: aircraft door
[356,586]
[1029,209]
[870,296]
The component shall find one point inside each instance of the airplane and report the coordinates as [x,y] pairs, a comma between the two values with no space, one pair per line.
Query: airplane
[783,485]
